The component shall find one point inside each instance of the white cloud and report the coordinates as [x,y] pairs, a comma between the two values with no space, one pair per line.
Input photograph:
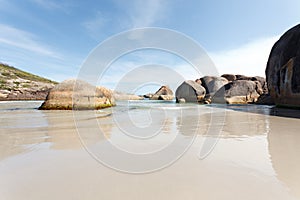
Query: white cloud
[23,50]
[249,59]
[24,40]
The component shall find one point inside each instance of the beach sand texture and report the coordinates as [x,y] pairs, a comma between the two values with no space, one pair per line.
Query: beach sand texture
[42,157]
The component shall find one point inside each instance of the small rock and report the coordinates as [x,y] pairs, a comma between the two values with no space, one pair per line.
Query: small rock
[164,93]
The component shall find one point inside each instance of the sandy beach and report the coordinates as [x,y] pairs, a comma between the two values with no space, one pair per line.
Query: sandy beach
[43,157]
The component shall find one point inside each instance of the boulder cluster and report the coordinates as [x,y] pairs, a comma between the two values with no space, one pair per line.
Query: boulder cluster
[281,86]
[228,88]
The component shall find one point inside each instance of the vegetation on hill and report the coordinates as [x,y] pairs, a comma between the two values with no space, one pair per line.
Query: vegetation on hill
[16,84]
[8,72]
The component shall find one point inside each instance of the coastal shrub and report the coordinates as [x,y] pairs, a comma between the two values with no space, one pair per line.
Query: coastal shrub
[17,83]
[26,85]
[2,81]
[7,74]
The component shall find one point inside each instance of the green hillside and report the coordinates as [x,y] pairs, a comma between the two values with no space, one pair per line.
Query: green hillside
[16,84]
[8,72]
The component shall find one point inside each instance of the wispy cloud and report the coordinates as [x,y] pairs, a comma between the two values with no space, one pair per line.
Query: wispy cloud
[249,59]
[134,14]
[24,40]
[23,50]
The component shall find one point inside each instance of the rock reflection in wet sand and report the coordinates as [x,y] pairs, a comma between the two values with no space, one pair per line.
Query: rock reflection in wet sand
[255,158]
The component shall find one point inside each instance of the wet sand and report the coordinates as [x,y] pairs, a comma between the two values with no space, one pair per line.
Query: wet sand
[42,156]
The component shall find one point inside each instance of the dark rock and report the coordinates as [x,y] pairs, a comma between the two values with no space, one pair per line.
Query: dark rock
[148,96]
[283,69]
[190,91]
[242,77]
[238,92]
[229,77]
[265,99]
[164,93]
[262,82]
[77,94]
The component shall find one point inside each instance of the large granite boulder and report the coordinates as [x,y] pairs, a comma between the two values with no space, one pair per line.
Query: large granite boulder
[190,91]
[164,93]
[260,79]
[283,69]
[238,92]
[77,94]
[213,83]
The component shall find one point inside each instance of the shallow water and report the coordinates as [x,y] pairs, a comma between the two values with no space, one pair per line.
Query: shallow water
[149,150]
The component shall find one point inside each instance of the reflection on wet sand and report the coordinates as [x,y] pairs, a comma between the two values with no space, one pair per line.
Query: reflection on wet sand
[59,129]
[55,130]
[256,157]
[245,124]
[284,149]
[230,123]
[63,128]
[20,132]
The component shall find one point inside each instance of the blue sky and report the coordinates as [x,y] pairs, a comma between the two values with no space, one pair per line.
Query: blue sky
[52,38]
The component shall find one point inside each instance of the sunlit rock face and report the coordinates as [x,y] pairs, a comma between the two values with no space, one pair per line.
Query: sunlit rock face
[190,91]
[238,92]
[79,95]
[283,69]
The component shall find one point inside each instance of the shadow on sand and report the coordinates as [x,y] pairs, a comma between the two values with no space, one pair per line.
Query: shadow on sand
[262,109]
